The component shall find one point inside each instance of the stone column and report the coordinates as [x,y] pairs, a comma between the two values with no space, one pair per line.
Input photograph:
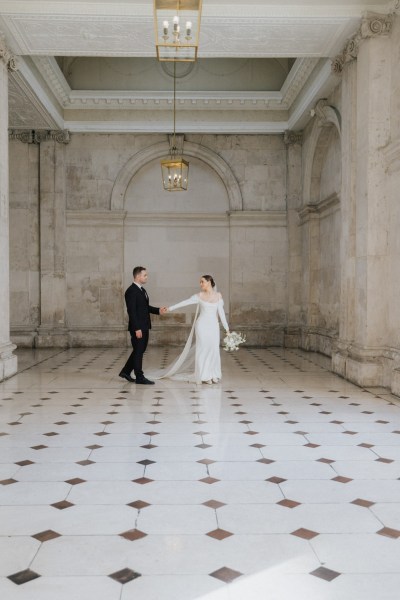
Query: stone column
[348,218]
[364,326]
[52,196]
[8,362]
[293,141]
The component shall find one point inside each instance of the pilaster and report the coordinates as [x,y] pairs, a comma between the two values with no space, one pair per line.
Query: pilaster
[293,141]
[52,197]
[8,361]
[363,319]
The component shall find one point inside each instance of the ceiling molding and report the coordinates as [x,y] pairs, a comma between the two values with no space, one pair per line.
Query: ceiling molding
[25,107]
[239,35]
[188,126]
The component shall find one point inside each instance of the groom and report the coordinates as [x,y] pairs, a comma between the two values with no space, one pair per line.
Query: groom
[139,309]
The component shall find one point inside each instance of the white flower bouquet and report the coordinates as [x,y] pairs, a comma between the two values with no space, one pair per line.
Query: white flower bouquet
[233,340]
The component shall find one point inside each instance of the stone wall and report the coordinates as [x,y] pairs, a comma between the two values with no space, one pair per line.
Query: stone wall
[24,241]
[231,223]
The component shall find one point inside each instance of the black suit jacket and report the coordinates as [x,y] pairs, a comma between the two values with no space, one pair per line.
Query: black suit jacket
[139,309]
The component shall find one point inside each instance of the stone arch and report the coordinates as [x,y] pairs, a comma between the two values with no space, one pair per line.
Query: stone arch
[161,149]
[327,117]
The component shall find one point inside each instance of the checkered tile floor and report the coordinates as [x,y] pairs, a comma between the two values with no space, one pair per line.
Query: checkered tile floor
[280,483]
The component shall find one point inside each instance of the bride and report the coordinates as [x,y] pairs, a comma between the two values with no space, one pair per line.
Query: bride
[206,354]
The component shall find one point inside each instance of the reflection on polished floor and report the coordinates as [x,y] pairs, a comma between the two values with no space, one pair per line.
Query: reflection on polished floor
[280,483]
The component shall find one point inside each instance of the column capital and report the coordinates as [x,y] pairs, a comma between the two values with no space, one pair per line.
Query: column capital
[292,137]
[372,25]
[7,57]
[37,136]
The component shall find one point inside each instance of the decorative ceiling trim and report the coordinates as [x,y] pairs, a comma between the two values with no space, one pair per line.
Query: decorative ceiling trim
[41,33]
[29,82]
[25,108]
[70,99]
[189,126]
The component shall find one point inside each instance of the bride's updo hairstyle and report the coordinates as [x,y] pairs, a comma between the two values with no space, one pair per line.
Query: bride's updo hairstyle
[210,279]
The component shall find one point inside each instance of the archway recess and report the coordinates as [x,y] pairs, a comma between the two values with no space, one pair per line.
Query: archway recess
[211,158]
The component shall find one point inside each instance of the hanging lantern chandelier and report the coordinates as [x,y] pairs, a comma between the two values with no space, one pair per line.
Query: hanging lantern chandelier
[177,29]
[175,169]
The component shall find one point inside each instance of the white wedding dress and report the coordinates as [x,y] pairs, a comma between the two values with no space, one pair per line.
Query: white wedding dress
[200,360]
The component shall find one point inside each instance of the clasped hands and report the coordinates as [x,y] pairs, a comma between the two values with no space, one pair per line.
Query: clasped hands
[163,310]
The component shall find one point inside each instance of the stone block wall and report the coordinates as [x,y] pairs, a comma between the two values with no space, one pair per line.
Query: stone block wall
[231,223]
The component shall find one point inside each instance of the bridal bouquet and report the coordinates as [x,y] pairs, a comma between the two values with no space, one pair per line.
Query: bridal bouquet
[232,341]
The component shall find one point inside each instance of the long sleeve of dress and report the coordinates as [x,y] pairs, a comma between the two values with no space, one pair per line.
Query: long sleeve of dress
[222,316]
[192,300]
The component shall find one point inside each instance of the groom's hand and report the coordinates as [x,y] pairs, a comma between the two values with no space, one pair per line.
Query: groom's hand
[163,310]
[139,334]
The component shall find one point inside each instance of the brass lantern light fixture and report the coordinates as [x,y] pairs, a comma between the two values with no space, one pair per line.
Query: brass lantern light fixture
[177,29]
[175,169]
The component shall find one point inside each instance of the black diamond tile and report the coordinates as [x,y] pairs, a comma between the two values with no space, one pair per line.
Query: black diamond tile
[124,576]
[139,504]
[23,576]
[45,536]
[226,574]
[142,480]
[305,534]
[133,534]
[75,481]
[324,573]
[214,504]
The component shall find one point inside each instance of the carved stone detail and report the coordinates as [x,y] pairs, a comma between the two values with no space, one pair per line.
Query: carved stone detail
[326,114]
[7,57]
[372,25]
[292,137]
[37,136]
[25,135]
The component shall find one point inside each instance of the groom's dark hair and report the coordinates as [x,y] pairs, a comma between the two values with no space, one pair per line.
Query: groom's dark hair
[138,270]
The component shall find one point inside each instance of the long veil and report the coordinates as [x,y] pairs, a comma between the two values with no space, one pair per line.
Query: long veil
[183,367]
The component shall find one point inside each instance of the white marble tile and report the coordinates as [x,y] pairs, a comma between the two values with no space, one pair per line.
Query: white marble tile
[34,492]
[65,588]
[16,553]
[176,556]
[172,587]
[342,553]
[177,520]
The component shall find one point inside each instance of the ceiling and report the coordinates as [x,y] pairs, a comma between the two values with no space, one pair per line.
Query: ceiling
[90,65]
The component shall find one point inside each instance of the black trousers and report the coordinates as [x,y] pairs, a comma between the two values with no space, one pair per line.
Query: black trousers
[135,360]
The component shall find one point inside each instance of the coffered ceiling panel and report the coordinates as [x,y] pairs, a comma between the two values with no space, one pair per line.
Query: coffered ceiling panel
[88,65]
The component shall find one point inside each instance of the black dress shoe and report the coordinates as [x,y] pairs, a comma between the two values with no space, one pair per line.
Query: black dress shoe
[127,377]
[144,381]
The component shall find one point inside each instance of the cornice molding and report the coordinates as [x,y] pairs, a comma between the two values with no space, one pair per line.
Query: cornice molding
[37,136]
[98,218]
[196,220]
[258,218]
[210,100]
[184,126]
[372,25]
[316,211]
